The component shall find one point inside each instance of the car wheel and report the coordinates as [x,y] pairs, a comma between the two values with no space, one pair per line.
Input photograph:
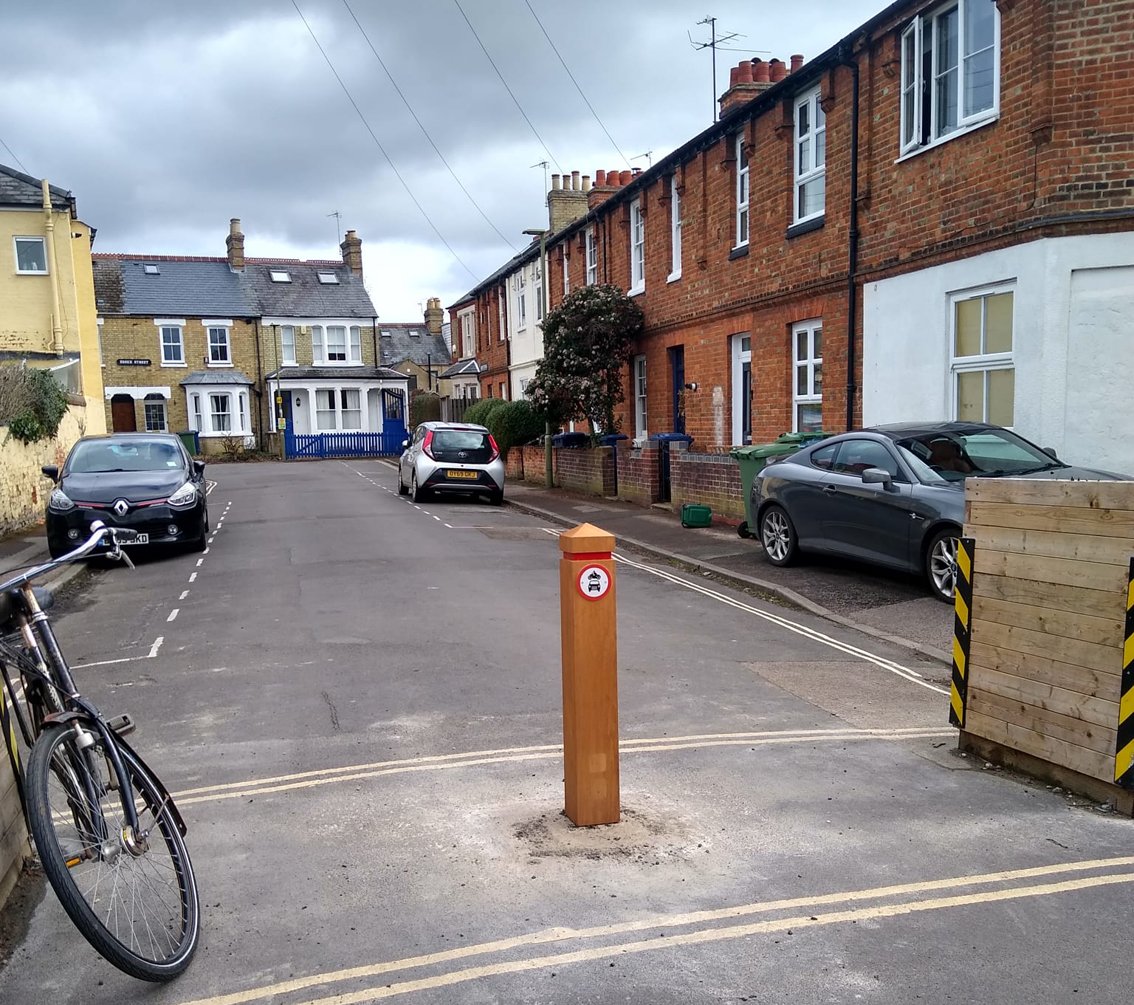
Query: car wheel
[417,493]
[202,542]
[402,490]
[778,536]
[497,497]
[941,565]
[207,525]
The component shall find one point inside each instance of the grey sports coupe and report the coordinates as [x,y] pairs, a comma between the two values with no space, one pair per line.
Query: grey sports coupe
[893,494]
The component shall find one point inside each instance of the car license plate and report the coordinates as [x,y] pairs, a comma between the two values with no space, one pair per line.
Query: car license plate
[462,475]
[140,539]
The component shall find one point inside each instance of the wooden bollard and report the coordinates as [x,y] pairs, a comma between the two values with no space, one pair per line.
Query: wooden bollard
[590,676]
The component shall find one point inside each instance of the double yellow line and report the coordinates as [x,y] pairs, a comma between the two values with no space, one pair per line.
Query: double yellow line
[700,928]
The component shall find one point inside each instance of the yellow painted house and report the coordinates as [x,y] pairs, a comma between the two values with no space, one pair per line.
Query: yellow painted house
[47,305]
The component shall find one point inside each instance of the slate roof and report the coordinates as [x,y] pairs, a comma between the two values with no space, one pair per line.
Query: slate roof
[335,373]
[19,189]
[462,368]
[401,344]
[209,287]
[228,377]
[199,287]
[305,296]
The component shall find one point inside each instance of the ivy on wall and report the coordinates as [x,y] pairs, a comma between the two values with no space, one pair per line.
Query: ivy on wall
[32,404]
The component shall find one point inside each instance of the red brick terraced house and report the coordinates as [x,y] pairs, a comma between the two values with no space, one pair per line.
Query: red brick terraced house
[930,220]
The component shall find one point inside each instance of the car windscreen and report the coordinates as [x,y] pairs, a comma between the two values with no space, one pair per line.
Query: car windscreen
[102,456]
[985,451]
[466,446]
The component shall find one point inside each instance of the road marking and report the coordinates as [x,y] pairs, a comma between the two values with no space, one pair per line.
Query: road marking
[155,647]
[906,673]
[200,562]
[124,659]
[192,577]
[173,614]
[665,937]
[184,594]
[475,758]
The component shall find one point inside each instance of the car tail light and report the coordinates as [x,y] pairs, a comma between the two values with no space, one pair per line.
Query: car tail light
[495,448]
[427,444]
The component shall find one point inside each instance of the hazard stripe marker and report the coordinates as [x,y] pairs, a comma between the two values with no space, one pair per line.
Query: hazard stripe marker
[962,631]
[1124,747]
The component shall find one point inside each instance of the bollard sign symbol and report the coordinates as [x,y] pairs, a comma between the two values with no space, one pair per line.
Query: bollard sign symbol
[594,582]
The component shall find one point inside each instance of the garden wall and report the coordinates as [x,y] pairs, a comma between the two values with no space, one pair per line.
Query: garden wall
[23,487]
[638,476]
[710,479]
[587,470]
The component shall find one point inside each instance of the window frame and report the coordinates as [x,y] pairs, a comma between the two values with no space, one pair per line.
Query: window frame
[210,327]
[285,344]
[158,403]
[590,258]
[814,172]
[173,325]
[639,374]
[983,362]
[30,239]
[674,231]
[741,193]
[812,365]
[519,287]
[917,94]
[637,249]
[227,412]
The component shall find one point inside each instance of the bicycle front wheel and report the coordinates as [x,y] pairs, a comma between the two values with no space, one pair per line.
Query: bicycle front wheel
[132,895]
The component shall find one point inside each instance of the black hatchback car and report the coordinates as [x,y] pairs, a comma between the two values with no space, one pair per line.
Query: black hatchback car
[143,481]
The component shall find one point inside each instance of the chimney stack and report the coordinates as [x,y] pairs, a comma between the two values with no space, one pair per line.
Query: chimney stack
[434,315]
[566,202]
[235,245]
[753,77]
[352,252]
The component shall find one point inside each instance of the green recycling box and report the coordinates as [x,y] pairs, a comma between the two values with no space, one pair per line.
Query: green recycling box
[752,460]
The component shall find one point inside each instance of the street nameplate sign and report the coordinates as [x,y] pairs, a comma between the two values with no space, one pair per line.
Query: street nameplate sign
[132,362]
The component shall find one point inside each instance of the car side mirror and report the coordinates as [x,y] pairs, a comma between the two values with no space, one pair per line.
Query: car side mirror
[405,444]
[51,471]
[876,476]
[1050,451]
[199,467]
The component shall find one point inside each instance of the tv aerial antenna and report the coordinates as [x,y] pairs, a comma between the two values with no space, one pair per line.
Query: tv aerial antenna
[715,41]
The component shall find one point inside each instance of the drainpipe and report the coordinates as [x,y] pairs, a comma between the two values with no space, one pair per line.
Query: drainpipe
[847,60]
[49,227]
[259,392]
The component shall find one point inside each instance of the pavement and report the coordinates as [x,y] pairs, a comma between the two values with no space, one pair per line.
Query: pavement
[882,604]
[29,547]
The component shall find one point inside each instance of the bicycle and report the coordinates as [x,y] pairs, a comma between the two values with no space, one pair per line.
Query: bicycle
[109,837]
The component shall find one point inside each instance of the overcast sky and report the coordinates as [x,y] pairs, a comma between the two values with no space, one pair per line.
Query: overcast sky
[165,119]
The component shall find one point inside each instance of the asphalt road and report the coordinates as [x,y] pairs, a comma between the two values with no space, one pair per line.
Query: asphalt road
[357,702]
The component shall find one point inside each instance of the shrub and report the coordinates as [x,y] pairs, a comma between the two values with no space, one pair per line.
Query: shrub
[31,402]
[513,423]
[425,407]
[478,414]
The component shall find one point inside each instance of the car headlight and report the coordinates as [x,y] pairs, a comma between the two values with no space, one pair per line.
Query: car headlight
[185,496]
[59,502]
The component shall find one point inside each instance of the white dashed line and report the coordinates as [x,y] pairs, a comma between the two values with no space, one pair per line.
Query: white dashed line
[173,614]
[200,562]
[192,576]
[156,646]
[184,594]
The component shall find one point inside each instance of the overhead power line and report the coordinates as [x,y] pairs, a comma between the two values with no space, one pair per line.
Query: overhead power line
[424,131]
[515,100]
[378,143]
[576,83]
[11,152]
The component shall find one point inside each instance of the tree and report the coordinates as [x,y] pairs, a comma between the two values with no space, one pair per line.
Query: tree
[587,342]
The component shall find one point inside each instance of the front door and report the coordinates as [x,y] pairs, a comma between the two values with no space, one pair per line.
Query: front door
[677,384]
[123,418]
[741,389]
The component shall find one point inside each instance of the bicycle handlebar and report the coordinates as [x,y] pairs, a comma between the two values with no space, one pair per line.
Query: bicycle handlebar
[100,532]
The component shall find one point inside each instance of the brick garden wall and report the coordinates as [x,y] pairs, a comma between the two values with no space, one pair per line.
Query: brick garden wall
[638,472]
[710,479]
[590,471]
[533,464]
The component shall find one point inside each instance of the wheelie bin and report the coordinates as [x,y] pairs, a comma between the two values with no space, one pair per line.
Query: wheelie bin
[752,460]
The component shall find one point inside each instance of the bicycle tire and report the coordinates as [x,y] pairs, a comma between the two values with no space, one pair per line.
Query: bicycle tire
[145,917]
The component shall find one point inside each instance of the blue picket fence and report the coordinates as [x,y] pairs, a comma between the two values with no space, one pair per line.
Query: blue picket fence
[388,443]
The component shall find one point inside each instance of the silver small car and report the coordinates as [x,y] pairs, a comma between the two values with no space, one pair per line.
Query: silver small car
[451,457]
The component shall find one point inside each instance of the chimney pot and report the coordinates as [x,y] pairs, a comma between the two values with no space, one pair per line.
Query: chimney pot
[586,183]
[744,72]
[624,177]
[776,70]
[760,71]
[796,62]
[733,76]
[600,177]
[574,181]
[555,183]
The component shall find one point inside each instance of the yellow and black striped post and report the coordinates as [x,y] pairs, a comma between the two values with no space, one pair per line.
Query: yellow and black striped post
[1124,748]
[962,631]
